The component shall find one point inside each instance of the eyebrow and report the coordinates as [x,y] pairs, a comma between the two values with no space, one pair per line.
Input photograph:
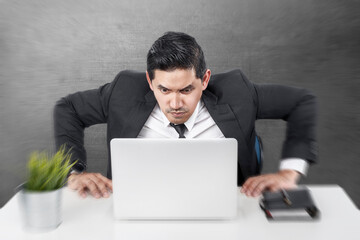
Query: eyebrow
[187,87]
[161,86]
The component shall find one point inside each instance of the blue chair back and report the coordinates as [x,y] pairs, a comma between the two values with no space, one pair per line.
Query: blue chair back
[259,152]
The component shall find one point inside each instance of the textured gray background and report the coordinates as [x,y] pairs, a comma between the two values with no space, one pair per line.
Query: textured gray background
[52,48]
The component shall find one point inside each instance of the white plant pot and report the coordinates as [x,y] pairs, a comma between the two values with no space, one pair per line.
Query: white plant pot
[41,211]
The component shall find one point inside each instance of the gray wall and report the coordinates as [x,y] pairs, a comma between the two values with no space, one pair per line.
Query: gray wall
[52,48]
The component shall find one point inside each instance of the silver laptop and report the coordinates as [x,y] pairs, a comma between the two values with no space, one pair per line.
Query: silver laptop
[174,178]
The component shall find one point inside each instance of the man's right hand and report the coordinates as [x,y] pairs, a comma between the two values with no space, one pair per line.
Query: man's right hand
[94,183]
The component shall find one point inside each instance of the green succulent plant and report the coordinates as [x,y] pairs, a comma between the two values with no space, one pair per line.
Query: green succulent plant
[48,172]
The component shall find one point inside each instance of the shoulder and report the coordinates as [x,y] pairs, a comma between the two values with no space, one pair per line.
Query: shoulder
[130,85]
[131,78]
[230,85]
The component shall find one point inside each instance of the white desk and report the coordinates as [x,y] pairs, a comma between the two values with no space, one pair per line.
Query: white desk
[92,219]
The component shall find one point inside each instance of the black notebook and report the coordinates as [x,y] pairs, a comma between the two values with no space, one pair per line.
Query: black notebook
[295,204]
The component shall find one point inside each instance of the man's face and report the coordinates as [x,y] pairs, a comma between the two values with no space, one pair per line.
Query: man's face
[178,92]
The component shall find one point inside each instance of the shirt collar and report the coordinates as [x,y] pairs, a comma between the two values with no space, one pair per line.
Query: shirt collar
[189,123]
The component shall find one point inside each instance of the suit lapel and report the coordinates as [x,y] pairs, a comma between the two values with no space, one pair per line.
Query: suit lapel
[138,116]
[222,115]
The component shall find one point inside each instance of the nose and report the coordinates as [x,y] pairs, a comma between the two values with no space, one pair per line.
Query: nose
[176,101]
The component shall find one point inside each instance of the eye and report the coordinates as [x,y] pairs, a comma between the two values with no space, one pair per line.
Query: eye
[164,90]
[187,90]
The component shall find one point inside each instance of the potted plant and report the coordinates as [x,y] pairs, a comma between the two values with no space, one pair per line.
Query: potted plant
[40,195]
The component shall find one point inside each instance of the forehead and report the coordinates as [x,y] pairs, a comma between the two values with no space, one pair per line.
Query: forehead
[175,79]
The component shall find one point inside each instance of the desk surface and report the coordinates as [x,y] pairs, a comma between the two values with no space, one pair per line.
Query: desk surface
[92,218]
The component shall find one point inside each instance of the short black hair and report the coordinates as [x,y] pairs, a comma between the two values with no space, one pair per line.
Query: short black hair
[176,50]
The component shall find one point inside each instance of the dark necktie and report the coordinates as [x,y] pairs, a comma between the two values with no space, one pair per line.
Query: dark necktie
[180,128]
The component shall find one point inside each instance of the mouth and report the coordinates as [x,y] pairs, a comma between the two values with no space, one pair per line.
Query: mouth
[177,114]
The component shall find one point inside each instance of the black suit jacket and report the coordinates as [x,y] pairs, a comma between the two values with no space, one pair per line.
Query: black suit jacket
[232,101]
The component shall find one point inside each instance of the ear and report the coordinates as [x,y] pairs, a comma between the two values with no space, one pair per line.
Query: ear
[149,81]
[206,79]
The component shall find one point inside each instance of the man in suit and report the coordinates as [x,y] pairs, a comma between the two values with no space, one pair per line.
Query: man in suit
[178,97]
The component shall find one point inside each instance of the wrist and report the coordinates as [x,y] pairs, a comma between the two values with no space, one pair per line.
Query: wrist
[73,173]
[290,175]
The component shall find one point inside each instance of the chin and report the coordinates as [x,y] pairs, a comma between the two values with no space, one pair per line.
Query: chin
[178,120]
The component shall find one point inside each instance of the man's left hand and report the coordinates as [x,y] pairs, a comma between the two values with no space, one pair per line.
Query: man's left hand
[286,179]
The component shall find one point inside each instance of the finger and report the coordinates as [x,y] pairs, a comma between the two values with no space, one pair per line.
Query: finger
[110,185]
[244,187]
[98,179]
[72,182]
[253,184]
[107,181]
[82,191]
[247,184]
[92,188]
[261,186]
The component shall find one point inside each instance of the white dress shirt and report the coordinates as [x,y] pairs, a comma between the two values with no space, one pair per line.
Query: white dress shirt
[200,125]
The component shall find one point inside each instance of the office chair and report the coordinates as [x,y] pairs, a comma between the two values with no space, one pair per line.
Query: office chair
[259,153]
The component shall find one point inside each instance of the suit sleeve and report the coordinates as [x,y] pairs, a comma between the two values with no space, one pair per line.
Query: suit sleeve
[75,112]
[297,107]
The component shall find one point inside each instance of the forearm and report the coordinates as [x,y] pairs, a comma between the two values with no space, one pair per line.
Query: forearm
[69,131]
[75,112]
[300,139]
